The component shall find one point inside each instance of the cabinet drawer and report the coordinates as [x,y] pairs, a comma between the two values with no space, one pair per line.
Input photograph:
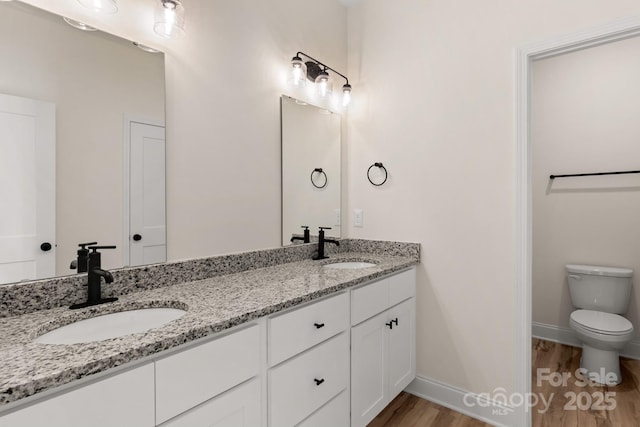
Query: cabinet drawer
[376,297]
[188,378]
[402,286]
[298,330]
[238,407]
[334,414]
[293,391]
[369,300]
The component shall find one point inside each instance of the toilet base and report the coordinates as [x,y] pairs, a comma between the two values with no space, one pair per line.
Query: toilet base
[601,366]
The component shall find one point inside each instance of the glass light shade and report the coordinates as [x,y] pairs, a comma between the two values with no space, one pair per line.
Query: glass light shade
[323,84]
[169,19]
[298,71]
[102,6]
[346,95]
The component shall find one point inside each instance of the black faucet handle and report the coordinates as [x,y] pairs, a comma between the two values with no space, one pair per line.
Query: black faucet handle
[324,228]
[95,248]
[84,245]
[306,227]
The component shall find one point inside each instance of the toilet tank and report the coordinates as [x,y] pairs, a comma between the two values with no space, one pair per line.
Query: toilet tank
[599,288]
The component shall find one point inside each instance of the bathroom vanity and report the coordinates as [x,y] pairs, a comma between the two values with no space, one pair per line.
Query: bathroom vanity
[295,343]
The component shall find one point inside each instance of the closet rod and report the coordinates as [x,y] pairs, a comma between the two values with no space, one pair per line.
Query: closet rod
[591,174]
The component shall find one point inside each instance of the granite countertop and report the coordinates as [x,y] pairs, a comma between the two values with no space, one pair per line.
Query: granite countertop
[212,305]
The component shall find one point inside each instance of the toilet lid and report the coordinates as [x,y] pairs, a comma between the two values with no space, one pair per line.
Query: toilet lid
[601,322]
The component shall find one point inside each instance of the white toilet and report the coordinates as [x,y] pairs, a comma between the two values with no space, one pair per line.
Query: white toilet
[602,295]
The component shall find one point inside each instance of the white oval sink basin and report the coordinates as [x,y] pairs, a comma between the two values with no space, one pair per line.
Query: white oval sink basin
[349,265]
[111,325]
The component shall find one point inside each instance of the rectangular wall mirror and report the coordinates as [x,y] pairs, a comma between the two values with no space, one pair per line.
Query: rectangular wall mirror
[82,146]
[311,153]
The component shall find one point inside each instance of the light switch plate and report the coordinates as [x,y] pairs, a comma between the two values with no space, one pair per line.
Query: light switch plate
[357,217]
[336,217]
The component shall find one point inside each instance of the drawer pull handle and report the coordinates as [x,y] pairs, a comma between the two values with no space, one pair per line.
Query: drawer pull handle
[318,381]
[318,325]
[390,324]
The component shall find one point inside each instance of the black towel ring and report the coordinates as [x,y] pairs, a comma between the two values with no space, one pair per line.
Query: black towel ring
[321,172]
[381,166]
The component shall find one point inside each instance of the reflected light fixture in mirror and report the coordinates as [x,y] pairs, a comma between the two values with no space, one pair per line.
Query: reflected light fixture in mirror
[145,48]
[102,6]
[79,25]
[169,18]
[316,72]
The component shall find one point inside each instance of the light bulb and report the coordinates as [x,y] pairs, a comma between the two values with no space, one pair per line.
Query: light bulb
[102,6]
[169,19]
[322,81]
[346,94]
[298,71]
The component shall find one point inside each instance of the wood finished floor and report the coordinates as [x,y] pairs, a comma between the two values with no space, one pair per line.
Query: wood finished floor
[620,409]
[408,410]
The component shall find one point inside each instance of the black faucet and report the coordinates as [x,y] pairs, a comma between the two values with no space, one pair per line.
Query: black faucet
[306,238]
[321,241]
[81,263]
[94,277]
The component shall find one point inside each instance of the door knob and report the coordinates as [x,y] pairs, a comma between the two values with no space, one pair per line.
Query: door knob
[45,247]
[137,237]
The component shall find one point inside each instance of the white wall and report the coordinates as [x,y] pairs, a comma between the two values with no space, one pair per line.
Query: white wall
[585,119]
[93,79]
[223,85]
[433,89]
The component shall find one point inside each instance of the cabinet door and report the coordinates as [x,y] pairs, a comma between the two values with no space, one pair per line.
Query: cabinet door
[401,347]
[125,399]
[238,407]
[368,369]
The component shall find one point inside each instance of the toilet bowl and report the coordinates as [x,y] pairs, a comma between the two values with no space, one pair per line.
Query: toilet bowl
[602,336]
[601,294]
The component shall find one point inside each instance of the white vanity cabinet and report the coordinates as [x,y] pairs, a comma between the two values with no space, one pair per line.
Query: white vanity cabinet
[382,344]
[124,399]
[336,361]
[308,379]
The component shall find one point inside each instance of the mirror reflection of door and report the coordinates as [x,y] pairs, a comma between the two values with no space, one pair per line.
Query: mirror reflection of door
[27,189]
[147,210]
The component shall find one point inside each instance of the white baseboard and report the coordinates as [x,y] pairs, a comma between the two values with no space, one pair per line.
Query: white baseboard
[471,404]
[567,336]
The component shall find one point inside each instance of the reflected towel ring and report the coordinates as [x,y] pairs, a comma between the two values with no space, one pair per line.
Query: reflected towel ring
[320,172]
[381,166]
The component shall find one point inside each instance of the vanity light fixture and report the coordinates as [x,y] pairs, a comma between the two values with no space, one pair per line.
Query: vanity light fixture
[317,72]
[169,18]
[102,6]
[79,25]
[145,48]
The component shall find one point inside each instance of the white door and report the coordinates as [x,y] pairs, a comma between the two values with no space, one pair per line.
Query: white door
[368,370]
[401,347]
[27,189]
[147,205]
